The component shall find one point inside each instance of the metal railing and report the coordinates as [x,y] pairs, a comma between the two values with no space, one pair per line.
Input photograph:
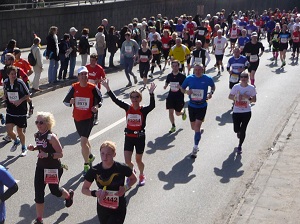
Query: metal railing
[36,5]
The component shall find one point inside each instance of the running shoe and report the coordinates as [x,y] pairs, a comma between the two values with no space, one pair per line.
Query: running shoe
[184,115]
[24,151]
[91,159]
[2,118]
[173,129]
[17,142]
[69,201]
[151,76]
[222,68]
[129,84]
[219,74]
[239,150]
[7,138]
[30,111]
[37,221]
[194,153]
[86,168]
[96,122]
[135,79]
[142,180]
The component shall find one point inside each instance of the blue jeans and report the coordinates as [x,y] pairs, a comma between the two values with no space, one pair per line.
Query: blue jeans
[128,65]
[52,71]
[72,66]
[64,62]
[100,60]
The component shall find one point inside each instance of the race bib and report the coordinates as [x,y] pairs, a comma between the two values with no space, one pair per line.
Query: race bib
[296,39]
[166,46]
[284,40]
[13,96]
[241,104]
[143,58]
[198,60]
[51,176]
[174,86]
[155,50]
[92,81]
[201,32]
[110,201]
[197,94]
[219,47]
[82,103]
[253,58]
[234,78]
[134,120]
[275,36]
[128,49]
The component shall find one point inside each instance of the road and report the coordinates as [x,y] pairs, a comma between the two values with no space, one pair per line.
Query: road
[178,189]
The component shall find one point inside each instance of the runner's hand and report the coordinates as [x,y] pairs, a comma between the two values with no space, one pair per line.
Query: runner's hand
[72,101]
[121,191]
[105,83]
[30,147]
[42,155]
[101,194]
[152,87]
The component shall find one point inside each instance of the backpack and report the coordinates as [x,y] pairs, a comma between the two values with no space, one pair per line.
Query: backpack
[3,56]
[31,59]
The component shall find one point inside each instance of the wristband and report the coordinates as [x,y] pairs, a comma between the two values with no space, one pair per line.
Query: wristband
[50,155]
[93,193]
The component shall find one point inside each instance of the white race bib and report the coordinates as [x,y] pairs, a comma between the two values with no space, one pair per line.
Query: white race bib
[51,176]
[128,49]
[82,103]
[174,86]
[143,58]
[197,94]
[110,201]
[198,60]
[219,47]
[13,96]
[201,32]
[284,40]
[234,78]
[166,46]
[155,50]
[134,120]
[253,58]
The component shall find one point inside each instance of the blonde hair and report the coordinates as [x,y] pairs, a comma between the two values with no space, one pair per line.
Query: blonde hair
[48,118]
[109,144]
[138,92]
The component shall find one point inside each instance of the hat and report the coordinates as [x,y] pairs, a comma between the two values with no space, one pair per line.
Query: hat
[254,34]
[73,29]
[17,50]
[82,69]
[144,23]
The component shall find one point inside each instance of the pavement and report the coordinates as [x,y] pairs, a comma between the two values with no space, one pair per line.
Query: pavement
[274,195]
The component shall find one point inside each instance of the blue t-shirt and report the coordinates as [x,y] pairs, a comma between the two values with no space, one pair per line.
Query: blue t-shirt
[243,40]
[199,85]
[5,180]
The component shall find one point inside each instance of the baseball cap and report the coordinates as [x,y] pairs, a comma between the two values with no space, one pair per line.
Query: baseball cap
[17,50]
[82,69]
[254,34]
[73,29]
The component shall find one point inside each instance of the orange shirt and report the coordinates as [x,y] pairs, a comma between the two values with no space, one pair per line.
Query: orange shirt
[23,64]
[209,30]
[96,73]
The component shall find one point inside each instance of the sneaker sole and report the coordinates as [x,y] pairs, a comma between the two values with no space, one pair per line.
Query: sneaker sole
[23,154]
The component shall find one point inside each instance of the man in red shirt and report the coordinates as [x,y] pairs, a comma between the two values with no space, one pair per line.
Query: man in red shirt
[95,76]
[22,63]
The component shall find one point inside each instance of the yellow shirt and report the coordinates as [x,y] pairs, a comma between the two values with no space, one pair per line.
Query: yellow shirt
[179,53]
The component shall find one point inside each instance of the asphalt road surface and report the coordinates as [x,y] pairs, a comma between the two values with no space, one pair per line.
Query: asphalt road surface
[178,189]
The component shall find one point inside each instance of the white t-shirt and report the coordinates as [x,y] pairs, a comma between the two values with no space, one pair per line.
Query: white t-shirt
[242,106]
[220,44]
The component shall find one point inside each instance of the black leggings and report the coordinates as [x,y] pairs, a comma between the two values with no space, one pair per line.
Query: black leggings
[144,69]
[39,185]
[112,216]
[296,47]
[240,122]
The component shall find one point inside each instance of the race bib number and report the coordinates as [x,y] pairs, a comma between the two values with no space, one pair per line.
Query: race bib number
[219,47]
[174,86]
[241,104]
[143,58]
[253,58]
[13,96]
[155,50]
[134,120]
[92,81]
[110,201]
[128,49]
[296,39]
[197,94]
[51,176]
[82,103]
[201,32]
[233,36]
[284,40]
[166,46]
[275,36]
[198,60]
[234,78]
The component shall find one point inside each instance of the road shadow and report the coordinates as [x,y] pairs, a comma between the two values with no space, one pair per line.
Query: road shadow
[162,97]
[273,64]
[180,173]
[61,218]
[131,194]
[70,139]
[279,70]
[230,168]
[9,160]
[74,182]
[224,118]
[294,62]
[162,142]
[210,70]
[91,221]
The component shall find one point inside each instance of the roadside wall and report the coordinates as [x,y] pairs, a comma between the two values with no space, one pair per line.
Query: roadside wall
[20,24]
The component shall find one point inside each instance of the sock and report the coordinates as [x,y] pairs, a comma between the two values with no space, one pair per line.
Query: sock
[23,146]
[91,156]
[197,138]
[40,219]
[252,81]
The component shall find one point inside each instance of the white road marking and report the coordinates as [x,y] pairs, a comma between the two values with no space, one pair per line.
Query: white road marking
[97,134]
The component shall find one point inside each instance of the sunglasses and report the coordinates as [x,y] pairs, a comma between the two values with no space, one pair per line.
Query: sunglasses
[246,77]
[134,97]
[39,122]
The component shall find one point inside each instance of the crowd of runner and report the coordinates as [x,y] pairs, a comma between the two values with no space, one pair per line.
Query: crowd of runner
[185,42]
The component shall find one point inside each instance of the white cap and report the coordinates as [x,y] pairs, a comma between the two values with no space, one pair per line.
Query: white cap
[73,29]
[82,69]
[144,23]
[254,34]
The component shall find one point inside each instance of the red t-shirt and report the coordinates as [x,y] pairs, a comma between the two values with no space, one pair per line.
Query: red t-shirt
[95,75]
[296,36]
[23,64]
[165,42]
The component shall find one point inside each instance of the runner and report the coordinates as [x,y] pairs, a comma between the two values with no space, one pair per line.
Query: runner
[179,52]
[16,95]
[243,95]
[220,44]
[284,37]
[166,38]
[145,56]
[48,167]
[96,74]
[251,50]
[234,33]
[175,98]
[156,47]
[275,42]
[129,52]
[198,93]
[243,40]
[199,55]
[6,180]
[86,99]
[296,42]
[109,176]
[136,122]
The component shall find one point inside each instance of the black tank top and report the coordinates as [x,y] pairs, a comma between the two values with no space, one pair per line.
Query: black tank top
[43,144]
